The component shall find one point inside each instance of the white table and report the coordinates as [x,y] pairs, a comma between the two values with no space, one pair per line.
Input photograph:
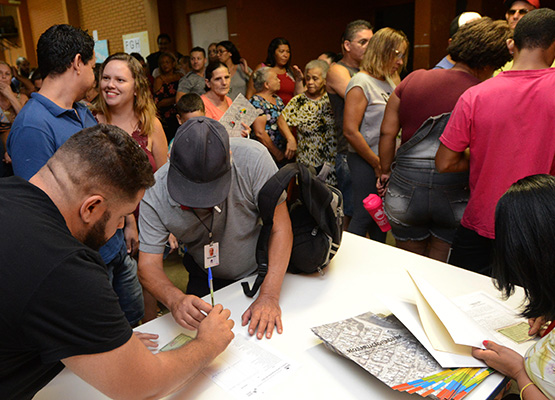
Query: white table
[361,269]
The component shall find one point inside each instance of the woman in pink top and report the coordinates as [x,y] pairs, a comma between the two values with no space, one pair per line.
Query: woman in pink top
[216,101]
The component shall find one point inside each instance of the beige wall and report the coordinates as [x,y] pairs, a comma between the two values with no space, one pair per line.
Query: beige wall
[307,24]
[112,19]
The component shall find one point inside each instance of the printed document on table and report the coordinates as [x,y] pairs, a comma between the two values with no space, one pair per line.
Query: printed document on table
[248,367]
[494,317]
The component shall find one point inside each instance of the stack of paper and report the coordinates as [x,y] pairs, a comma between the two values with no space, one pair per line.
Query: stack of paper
[449,329]
[450,384]
[426,347]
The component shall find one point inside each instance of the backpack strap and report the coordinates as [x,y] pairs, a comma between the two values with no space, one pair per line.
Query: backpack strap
[267,201]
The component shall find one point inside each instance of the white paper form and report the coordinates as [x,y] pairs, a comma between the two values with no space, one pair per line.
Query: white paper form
[462,328]
[248,368]
[408,314]
[492,315]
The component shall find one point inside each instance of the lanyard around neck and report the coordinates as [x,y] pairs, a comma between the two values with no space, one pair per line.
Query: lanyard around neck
[203,224]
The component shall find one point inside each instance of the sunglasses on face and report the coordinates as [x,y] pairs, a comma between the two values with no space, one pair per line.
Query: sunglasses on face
[522,11]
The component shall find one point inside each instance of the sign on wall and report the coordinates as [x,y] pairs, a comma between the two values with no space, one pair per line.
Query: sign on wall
[136,43]
[101,51]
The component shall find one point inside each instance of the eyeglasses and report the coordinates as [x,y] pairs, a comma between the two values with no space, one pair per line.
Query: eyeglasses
[399,55]
[522,11]
[221,51]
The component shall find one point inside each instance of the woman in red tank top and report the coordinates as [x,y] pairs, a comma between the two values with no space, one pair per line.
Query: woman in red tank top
[279,60]
[125,101]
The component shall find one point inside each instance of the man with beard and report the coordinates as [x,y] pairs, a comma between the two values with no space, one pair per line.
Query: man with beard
[58,307]
[66,60]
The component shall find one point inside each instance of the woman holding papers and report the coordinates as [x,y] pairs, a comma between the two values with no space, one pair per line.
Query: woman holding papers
[216,101]
[524,241]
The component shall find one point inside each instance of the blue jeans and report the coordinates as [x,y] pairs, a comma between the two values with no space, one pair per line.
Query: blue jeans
[364,183]
[122,271]
[344,183]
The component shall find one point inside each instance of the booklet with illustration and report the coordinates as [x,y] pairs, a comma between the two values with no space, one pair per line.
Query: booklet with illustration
[386,349]
[425,347]
[240,111]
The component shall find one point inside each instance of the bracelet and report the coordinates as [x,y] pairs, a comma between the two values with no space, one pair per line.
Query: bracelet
[525,386]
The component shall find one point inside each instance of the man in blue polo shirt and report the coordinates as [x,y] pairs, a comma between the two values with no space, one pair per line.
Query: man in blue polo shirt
[66,59]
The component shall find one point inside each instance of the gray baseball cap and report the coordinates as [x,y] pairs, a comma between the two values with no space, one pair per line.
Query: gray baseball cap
[199,175]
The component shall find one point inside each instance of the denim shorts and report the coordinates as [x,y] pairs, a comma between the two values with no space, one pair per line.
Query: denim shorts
[344,183]
[422,202]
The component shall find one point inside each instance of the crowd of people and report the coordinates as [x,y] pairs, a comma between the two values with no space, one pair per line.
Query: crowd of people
[97,185]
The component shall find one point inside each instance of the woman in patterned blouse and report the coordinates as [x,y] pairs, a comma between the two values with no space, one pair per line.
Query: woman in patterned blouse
[267,128]
[311,114]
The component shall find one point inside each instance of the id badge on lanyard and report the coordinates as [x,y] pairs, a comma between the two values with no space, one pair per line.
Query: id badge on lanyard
[211,255]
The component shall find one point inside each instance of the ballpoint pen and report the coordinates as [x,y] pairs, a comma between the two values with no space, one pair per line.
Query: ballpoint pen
[211,285]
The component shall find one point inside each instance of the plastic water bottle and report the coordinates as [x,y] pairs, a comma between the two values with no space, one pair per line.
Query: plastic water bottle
[374,205]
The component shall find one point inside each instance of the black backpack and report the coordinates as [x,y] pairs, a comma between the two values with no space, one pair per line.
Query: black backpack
[316,211]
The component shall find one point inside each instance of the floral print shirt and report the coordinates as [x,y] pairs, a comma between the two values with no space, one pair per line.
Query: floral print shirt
[272,113]
[539,363]
[316,141]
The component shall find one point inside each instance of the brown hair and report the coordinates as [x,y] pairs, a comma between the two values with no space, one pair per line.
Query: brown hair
[104,158]
[143,105]
[481,43]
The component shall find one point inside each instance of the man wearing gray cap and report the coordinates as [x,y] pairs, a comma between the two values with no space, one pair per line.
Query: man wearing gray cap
[207,196]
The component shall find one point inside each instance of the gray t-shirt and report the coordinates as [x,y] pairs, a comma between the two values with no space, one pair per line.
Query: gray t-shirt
[238,83]
[377,93]
[192,83]
[236,228]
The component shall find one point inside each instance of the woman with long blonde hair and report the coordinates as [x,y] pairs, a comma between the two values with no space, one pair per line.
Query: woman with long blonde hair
[125,101]
[365,99]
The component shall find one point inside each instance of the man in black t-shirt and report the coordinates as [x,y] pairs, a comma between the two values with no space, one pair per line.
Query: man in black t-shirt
[57,306]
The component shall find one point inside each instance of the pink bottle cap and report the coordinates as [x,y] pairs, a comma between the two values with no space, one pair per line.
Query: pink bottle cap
[372,201]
